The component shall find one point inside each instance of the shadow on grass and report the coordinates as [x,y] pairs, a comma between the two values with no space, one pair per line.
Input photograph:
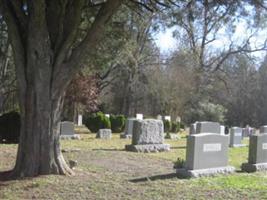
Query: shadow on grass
[183,147]
[108,149]
[154,178]
[6,176]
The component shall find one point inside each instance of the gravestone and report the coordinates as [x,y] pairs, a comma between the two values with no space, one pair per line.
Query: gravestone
[206,155]
[148,136]
[80,120]
[128,131]
[192,129]
[178,119]
[104,134]
[167,118]
[67,131]
[222,130]
[248,131]
[159,117]
[139,116]
[236,137]
[263,129]
[257,158]
[208,127]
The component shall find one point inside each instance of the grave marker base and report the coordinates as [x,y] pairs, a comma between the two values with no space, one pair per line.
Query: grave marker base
[185,173]
[148,148]
[247,167]
[70,137]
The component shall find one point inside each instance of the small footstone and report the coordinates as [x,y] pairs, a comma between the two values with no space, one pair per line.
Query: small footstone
[70,137]
[104,134]
[148,148]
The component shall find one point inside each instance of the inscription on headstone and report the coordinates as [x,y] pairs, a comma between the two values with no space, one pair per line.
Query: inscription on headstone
[212,147]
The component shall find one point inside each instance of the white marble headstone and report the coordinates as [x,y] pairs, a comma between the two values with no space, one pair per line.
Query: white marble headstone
[139,116]
[80,120]
[168,118]
[222,130]
[159,117]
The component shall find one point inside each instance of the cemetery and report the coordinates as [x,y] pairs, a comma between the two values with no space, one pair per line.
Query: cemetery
[133,99]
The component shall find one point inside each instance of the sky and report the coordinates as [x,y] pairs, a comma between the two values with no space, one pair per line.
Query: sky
[167,44]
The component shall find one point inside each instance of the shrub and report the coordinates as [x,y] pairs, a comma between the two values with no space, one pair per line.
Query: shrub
[105,122]
[175,127]
[96,121]
[167,126]
[10,127]
[117,123]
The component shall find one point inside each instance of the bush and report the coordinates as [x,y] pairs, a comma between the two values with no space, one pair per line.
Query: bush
[175,127]
[10,127]
[96,121]
[117,123]
[167,126]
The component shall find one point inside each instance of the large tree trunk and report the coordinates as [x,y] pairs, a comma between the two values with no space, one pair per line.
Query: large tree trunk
[39,149]
[47,55]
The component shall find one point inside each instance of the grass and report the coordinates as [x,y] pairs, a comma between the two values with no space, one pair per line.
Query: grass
[106,171]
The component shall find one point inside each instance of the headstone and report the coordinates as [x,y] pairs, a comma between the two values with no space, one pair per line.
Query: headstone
[263,129]
[104,134]
[206,155]
[236,137]
[257,158]
[159,117]
[139,116]
[167,118]
[208,127]
[148,136]
[67,131]
[222,130]
[107,115]
[247,131]
[80,120]
[178,119]
[192,129]
[128,131]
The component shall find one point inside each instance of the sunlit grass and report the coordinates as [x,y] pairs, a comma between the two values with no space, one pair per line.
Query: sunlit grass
[95,179]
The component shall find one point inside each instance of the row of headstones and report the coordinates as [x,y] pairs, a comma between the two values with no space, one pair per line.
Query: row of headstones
[67,132]
[236,133]
[147,135]
[207,153]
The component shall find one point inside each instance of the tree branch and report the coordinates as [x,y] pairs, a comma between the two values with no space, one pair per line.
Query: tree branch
[85,49]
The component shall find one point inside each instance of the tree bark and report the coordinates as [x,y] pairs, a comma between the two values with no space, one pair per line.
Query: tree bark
[45,64]
[39,149]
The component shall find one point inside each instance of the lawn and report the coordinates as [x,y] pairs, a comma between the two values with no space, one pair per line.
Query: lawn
[106,171]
